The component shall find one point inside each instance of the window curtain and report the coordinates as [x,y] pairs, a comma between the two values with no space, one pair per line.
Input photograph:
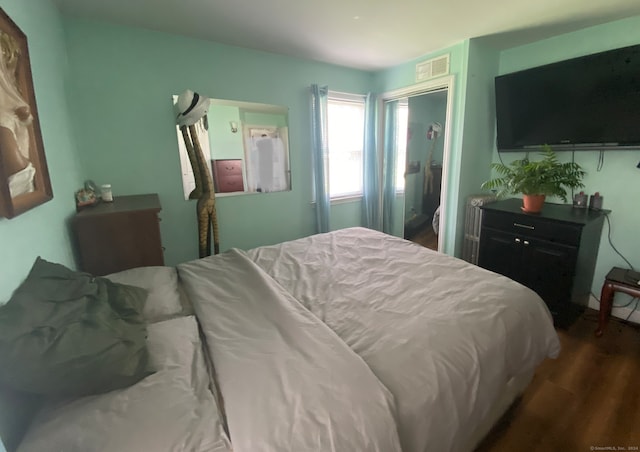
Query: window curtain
[389,166]
[371,186]
[320,154]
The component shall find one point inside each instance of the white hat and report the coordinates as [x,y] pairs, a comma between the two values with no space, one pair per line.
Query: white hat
[191,107]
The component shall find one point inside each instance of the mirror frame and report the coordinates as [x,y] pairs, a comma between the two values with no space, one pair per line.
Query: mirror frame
[240,127]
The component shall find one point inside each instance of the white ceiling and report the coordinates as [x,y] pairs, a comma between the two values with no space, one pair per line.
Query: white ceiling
[363,34]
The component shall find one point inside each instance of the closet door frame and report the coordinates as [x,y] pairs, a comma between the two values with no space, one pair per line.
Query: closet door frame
[419,89]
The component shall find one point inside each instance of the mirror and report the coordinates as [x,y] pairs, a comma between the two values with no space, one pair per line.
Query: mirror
[416,146]
[424,152]
[247,145]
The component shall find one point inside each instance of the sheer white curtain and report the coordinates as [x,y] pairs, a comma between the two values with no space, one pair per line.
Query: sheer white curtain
[266,155]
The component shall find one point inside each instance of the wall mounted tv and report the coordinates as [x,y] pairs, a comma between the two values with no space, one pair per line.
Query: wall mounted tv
[591,102]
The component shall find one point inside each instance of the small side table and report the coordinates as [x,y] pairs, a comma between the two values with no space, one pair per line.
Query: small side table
[617,280]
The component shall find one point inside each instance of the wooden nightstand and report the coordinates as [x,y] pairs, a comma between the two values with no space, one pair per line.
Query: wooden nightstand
[617,280]
[119,235]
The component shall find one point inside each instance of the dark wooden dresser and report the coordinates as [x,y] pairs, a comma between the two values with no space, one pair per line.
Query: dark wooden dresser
[119,235]
[553,253]
[227,175]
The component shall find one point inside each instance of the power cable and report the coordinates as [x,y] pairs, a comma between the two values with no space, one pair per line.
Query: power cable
[613,246]
[600,161]
[633,310]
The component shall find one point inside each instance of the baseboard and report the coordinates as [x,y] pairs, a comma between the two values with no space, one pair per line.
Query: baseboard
[620,313]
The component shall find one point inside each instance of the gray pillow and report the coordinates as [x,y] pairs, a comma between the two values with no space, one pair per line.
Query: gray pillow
[68,333]
[165,299]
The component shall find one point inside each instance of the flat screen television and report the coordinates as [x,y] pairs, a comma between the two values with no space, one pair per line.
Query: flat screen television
[591,102]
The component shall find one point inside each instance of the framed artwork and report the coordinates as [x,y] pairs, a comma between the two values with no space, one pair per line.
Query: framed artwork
[24,177]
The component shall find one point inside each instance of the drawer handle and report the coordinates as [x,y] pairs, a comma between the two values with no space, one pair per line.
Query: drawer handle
[526,243]
[526,226]
[517,240]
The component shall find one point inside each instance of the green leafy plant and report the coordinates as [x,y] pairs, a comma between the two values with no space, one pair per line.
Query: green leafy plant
[544,177]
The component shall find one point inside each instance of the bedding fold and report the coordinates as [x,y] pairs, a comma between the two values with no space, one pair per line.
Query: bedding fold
[289,382]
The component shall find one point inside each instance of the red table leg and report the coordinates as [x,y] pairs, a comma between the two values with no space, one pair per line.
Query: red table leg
[606,303]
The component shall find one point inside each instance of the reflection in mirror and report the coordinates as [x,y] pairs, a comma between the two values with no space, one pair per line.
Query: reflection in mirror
[414,151]
[248,147]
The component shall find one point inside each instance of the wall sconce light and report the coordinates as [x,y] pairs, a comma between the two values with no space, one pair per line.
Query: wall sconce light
[234,126]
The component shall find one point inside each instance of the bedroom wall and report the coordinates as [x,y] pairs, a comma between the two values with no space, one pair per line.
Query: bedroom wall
[123,79]
[42,231]
[619,179]
[478,141]
[403,76]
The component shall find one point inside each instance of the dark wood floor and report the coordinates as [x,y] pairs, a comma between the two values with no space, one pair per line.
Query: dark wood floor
[427,238]
[587,398]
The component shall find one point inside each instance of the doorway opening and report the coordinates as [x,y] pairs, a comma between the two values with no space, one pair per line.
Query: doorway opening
[416,144]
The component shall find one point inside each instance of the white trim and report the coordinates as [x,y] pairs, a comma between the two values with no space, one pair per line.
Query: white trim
[430,86]
[346,199]
[341,199]
[338,95]
[441,83]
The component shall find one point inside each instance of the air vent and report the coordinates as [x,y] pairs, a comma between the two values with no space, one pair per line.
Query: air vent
[435,67]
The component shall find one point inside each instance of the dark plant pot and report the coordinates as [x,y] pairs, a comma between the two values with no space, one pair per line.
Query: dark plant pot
[532,203]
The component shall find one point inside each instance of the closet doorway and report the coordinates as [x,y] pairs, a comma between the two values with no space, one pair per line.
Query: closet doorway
[416,139]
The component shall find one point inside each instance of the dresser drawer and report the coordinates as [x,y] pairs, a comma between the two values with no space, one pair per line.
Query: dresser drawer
[552,231]
[228,184]
[227,167]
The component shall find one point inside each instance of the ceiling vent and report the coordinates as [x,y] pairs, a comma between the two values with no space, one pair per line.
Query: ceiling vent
[435,67]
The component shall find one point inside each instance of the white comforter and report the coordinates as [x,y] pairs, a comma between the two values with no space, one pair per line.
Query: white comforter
[443,336]
[288,382]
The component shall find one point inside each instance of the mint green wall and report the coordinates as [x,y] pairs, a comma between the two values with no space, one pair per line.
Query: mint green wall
[403,76]
[224,143]
[264,119]
[43,230]
[619,180]
[123,79]
[478,139]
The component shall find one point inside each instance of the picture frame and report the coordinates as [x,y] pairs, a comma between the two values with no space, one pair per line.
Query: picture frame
[24,175]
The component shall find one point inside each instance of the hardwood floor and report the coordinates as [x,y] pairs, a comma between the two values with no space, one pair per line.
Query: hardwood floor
[427,238]
[588,398]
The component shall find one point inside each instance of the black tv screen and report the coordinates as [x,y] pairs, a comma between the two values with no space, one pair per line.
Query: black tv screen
[591,102]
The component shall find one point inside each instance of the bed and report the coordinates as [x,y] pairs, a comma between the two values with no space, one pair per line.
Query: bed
[352,340]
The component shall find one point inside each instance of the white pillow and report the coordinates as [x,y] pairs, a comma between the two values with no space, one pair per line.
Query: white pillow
[165,299]
[171,410]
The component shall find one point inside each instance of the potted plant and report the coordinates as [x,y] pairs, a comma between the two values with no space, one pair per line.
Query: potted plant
[536,179]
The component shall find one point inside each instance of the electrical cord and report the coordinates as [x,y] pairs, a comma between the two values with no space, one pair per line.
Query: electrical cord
[606,216]
[633,310]
[600,161]
[573,160]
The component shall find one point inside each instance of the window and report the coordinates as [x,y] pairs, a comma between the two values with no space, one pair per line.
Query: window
[345,126]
